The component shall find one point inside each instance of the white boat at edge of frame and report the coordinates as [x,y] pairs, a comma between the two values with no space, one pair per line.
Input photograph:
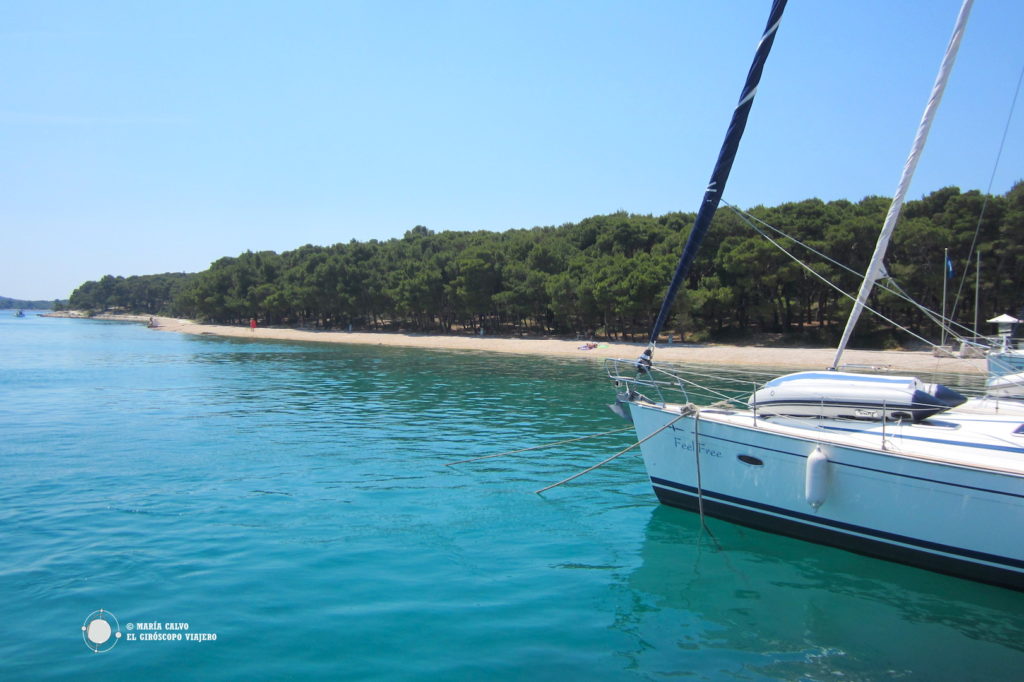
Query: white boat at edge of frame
[1005,386]
[945,493]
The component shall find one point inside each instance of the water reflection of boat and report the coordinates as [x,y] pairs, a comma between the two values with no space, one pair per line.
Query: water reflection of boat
[767,605]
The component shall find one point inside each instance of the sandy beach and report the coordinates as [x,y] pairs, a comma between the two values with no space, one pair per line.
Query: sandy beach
[711,354]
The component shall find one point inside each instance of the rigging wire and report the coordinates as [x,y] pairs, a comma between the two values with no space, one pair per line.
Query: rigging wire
[888,284]
[988,192]
[744,216]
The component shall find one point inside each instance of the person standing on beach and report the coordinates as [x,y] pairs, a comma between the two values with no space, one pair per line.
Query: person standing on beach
[252,325]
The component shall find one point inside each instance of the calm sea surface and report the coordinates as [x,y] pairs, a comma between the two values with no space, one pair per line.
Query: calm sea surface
[292,500]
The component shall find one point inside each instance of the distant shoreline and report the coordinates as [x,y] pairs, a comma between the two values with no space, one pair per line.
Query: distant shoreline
[712,354]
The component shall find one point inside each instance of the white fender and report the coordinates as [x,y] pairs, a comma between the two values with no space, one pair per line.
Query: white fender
[816,478]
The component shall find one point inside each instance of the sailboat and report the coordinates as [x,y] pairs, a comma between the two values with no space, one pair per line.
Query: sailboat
[1004,387]
[875,464]
[1005,358]
[1005,363]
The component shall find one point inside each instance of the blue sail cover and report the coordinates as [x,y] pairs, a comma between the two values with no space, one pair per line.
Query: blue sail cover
[720,174]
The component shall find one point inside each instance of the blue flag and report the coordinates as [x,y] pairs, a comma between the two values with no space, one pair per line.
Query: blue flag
[949,268]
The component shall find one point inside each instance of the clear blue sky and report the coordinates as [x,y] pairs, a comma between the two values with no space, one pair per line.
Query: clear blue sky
[147,137]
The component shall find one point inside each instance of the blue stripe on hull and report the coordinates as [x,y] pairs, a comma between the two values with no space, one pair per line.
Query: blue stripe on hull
[923,554]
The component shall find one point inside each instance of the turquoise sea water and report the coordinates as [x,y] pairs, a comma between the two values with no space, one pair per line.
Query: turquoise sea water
[292,500]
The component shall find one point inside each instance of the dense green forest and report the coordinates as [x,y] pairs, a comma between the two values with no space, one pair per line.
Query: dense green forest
[605,276]
[150,294]
[11,303]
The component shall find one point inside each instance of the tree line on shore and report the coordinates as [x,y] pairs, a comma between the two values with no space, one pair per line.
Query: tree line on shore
[605,275]
[7,303]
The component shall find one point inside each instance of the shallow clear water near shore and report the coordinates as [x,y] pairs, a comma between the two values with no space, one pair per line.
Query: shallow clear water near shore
[292,499]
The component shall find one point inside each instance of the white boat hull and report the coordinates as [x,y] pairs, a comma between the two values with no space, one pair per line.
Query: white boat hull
[957,517]
[992,405]
[1006,386]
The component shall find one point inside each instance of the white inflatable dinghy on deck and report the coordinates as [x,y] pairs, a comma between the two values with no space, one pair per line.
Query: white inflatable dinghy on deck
[852,396]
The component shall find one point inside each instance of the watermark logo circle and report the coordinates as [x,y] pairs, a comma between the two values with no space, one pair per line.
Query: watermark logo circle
[101,631]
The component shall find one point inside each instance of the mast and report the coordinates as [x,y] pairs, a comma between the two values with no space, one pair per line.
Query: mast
[876,270]
[977,288]
[945,284]
[720,174]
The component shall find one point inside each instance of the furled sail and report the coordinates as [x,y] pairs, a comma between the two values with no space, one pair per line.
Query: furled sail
[720,174]
[876,269]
